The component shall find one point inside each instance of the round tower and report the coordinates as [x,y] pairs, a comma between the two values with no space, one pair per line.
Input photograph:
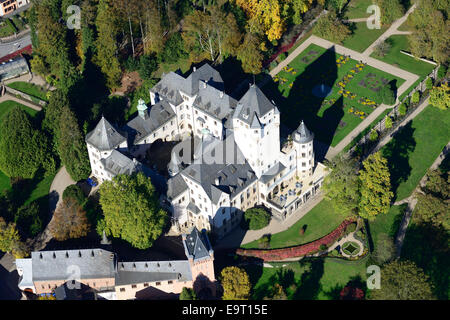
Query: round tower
[304,146]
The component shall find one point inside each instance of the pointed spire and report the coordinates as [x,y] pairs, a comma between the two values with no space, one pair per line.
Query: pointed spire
[302,134]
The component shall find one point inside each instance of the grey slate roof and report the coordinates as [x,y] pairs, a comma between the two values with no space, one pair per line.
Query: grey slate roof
[105,136]
[175,186]
[234,176]
[159,114]
[197,245]
[26,265]
[56,265]
[193,208]
[254,102]
[151,271]
[168,87]
[118,163]
[272,172]
[205,73]
[302,134]
[213,102]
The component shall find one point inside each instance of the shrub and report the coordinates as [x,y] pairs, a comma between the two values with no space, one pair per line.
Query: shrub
[388,122]
[386,95]
[350,228]
[415,97]
[27,219]
[373,135]
[264,242]
[323,247]
[73,191]
[441,72]
[402,109]
[429,83]
[256,218]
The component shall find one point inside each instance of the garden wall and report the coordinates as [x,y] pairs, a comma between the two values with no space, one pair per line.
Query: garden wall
[297,251]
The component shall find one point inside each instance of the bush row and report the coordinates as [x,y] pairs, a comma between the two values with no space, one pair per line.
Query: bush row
[301,250]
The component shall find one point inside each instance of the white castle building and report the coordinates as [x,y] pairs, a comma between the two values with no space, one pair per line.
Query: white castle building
[237,160]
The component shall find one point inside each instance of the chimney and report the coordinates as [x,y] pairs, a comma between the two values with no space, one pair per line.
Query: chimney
[195,69]
[221,94]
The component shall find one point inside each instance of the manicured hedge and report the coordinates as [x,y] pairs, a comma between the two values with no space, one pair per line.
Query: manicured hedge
[298,251]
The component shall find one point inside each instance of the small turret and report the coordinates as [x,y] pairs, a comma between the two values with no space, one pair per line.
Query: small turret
[142,109]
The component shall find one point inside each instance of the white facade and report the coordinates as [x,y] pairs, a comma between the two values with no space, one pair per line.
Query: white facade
[214,198]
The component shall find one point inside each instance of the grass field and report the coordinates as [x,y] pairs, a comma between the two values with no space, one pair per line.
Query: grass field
[357,9]
[402,61]
[362,37]
[319,221]
[333,117]
[413,150]
[30,89]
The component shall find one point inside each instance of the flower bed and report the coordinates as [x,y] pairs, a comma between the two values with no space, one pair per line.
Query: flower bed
[298,251]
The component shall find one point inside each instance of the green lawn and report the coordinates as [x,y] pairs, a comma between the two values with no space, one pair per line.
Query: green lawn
[402,61]
[362,37]
[358,9]
[387,223]
[341,111]
[413,150]
[30,89]
[319,221]
[321,278]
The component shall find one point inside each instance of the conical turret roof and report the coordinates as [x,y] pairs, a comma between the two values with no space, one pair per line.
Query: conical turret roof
[303,134]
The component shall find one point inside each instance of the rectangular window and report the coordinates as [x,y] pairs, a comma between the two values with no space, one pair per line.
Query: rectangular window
[158,283]
[122,289]
[170,282]
[134,286]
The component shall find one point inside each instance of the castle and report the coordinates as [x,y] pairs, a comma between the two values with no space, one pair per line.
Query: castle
[236,163]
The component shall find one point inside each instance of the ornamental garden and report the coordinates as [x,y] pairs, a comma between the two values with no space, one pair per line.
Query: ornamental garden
[331,92]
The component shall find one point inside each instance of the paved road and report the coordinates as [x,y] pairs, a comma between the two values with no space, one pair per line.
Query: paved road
[13,46]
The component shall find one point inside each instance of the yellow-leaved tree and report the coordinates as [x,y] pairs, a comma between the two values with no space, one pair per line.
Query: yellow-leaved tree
[236,284]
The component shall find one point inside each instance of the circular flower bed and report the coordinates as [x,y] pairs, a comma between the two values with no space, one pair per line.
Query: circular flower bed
[351,248]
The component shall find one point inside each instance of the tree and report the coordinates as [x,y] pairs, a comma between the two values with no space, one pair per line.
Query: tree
[415,97]
[264,16]
[187,294]
[173,49]
[69,221]
[73,191]
[433,201]
[131,209]
[386,95]
[429,83]
[402,109]
[331,28]
[28,221]
[23,150]
[430,37]
[373,135]
[10,240]
[341,185]
[277,293]
[350,292]
[71,146]
[383,48]
[250,55]
[338,4]
[384,249]
[375,188]
[391,10]
[147,65]
[403,280]
[440,96]
[388,122]
[211,33]
[257,218]
[106,45]
[235,283]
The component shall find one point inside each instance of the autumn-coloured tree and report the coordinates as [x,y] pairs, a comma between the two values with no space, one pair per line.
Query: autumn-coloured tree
[250,55]
[10,240]
[375,187]
[330,27]
[69,221]
[235,283]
